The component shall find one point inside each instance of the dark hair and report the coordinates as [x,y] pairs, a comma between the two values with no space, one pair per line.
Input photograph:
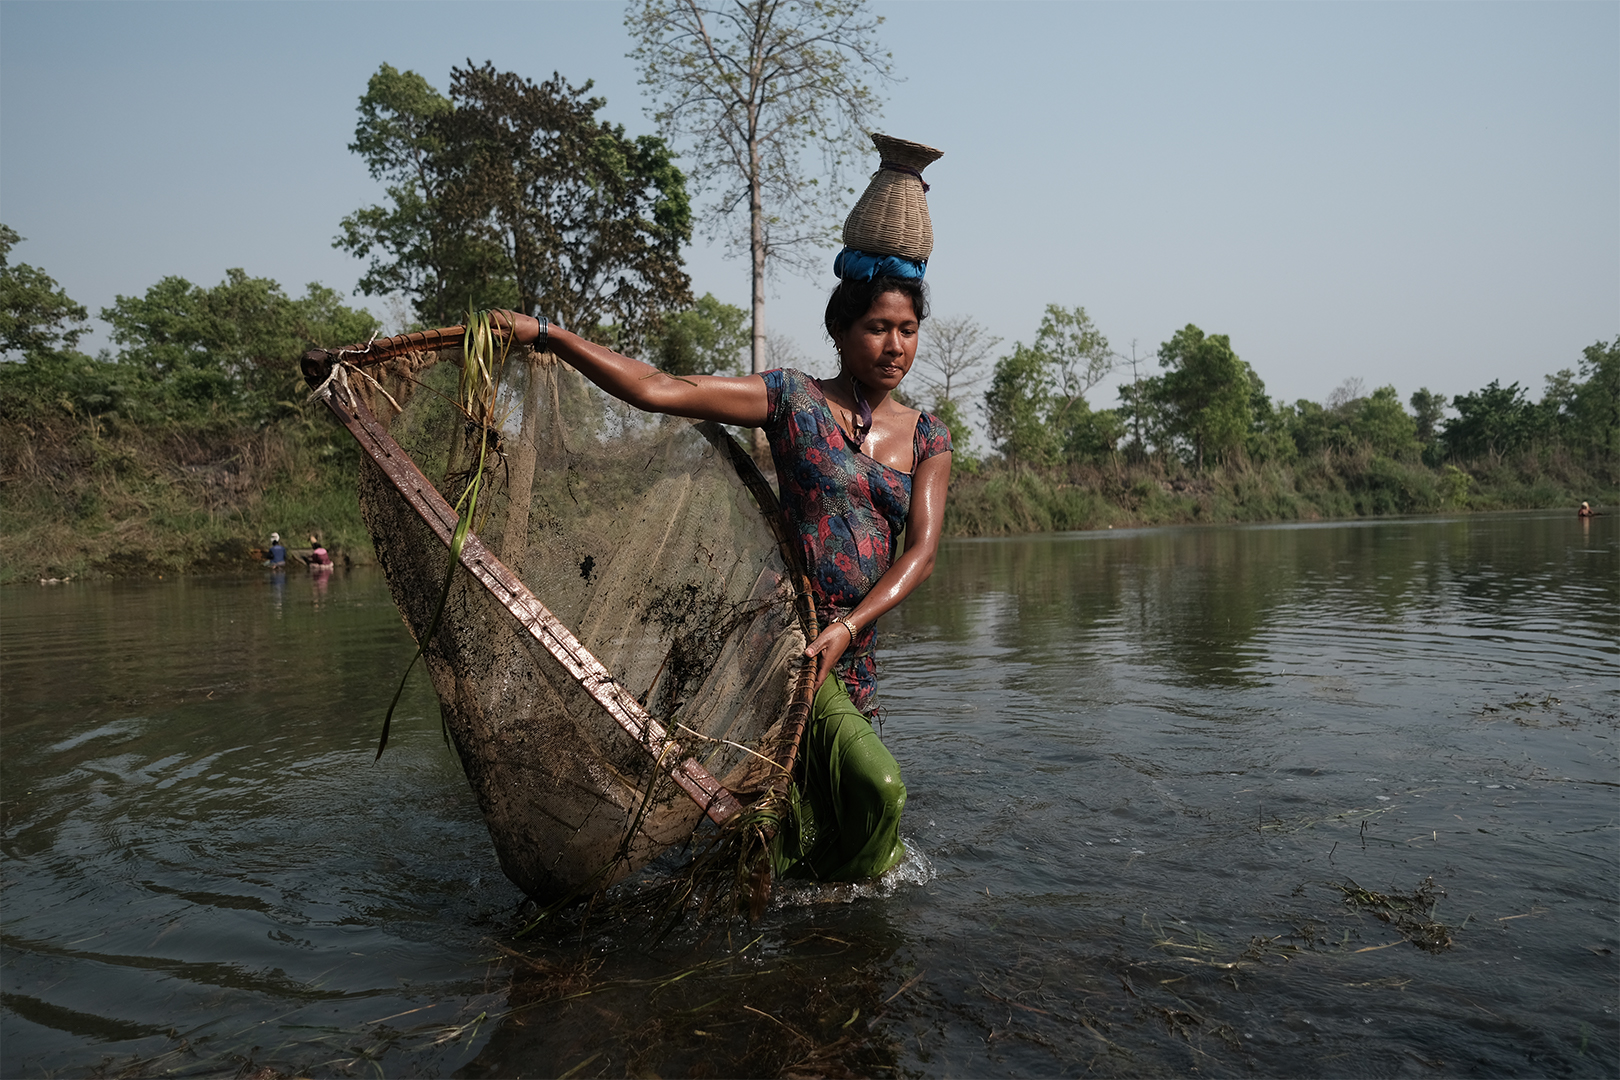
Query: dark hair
[851,300]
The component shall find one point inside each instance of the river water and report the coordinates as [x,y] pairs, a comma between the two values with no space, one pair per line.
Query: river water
[1325,800]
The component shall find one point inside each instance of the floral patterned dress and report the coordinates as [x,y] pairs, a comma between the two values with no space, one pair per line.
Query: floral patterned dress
[846,507]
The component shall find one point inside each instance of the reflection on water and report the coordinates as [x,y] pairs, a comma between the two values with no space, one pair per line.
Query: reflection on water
[1147,771]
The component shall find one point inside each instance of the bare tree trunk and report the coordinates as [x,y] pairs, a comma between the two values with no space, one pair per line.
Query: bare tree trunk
[756,251]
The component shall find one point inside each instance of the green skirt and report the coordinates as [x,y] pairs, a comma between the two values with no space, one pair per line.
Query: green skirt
[848,796]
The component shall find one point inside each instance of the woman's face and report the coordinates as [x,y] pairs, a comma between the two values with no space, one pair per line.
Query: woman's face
[879,348]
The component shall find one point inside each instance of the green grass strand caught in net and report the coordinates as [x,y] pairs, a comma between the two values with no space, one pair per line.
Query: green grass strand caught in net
[484,357]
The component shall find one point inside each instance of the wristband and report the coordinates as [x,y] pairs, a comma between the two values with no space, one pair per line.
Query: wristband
[545,334]
[848,626]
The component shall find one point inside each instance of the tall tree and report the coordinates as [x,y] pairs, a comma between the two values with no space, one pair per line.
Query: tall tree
[36,316]
[1078,353]
[750,88]
[1268,438]
[1596,406]
[589,222]
[1138,401]
[513,193]
[1428,409]
[44,382]
[1037,398]
[1381,423]
[1206,392]
[409,248]
[781,350]
[1346,394]
[1493,421]
[1018,407]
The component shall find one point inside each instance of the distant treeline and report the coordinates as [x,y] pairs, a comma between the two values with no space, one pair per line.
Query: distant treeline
[187,444]
[193,439]
[1206,407]
[1198,439]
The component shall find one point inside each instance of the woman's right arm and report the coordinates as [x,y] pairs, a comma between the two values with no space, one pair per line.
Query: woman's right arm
[737,400]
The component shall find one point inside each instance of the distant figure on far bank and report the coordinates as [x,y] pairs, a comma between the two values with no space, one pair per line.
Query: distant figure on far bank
[278,552]
[1585,511]
[318,555]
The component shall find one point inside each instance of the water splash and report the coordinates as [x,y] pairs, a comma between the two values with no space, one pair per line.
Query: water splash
[914,868]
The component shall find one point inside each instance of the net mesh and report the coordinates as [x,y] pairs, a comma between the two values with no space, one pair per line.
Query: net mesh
[651,539]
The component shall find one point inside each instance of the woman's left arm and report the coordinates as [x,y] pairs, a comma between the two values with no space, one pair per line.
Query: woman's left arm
[924,524]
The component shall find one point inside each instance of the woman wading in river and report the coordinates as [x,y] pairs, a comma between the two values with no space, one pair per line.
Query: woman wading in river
[856,469]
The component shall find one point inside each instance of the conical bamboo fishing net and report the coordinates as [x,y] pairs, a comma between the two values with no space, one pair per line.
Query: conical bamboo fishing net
[660,652]
[891,216]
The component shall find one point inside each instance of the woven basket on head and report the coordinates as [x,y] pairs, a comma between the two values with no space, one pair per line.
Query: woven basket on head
[891,218]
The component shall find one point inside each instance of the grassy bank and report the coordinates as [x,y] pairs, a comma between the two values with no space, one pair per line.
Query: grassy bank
[141,504]
[999,501]
[135,503]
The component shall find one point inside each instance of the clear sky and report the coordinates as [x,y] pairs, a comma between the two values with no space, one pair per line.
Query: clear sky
[1417,194]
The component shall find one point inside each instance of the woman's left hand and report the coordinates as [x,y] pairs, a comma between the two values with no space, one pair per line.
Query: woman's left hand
[828,648]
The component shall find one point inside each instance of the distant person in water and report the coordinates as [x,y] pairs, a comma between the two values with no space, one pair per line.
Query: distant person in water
[318,556]
[1584,511]
[278,553]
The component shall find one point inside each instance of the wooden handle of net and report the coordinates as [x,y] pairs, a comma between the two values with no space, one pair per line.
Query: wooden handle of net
[317,363]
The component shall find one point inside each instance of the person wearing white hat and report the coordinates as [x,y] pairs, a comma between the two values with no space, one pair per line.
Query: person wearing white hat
[278,553]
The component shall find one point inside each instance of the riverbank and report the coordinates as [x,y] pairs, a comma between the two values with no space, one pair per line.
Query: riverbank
[999,501]
[141,505]
[133,504]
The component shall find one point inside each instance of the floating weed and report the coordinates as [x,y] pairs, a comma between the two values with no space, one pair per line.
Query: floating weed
[1359,816]
[1392,982]
[1529,702]
[1410,913]
[1180,938]
[321,1051]
[692,1011]
[1261,947]
[1527,710]
[551,977]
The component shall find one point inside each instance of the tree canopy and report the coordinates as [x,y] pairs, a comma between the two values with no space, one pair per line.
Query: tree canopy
[1205,393]
[1036,403]
[206,358]
[513,193]
[1489,422]
[1594,404]
[1018,406]
[1207,406]
[409,248]
[36,315]
[706,339]
[231,350]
